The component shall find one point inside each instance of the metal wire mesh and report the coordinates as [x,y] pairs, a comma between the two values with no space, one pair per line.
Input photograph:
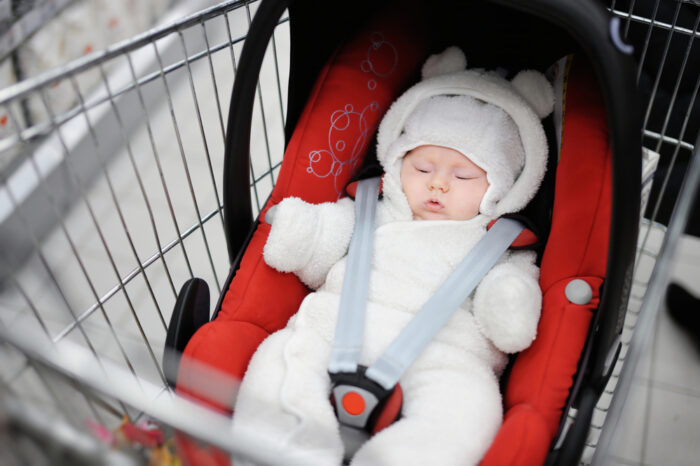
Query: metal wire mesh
[114,198]
[665,36]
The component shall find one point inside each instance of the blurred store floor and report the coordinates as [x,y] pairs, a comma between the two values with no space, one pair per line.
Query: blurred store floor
[661,422]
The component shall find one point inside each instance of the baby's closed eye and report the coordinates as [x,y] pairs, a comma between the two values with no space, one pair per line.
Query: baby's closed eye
[423,167]
[465,176]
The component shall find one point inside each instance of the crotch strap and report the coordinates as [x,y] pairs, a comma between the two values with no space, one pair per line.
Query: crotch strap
[363,395]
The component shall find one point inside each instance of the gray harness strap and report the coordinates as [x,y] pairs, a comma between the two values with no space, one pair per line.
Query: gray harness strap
[435,313]
[350,327]
[386,371]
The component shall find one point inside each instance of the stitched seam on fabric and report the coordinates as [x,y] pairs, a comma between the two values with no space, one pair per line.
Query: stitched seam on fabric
[196,348]
[589,236]
[521,441]
[537,400]
[259,259]
[252,324]
[550,353]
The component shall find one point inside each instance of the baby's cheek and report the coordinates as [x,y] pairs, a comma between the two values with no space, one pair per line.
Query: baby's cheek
[466,204]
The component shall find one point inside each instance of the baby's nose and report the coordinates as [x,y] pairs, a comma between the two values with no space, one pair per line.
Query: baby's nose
[439,182]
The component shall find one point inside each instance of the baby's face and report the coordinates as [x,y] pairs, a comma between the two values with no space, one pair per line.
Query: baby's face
[442,184]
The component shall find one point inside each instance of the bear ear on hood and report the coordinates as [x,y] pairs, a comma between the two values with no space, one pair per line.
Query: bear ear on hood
[451,60]
[536,90]
[531,85]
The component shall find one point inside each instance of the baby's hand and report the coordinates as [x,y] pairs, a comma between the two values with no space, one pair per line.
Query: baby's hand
[307,239]
[507,307]
[293,225]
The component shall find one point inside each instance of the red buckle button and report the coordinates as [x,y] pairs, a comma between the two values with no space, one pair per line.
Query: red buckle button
[353,403]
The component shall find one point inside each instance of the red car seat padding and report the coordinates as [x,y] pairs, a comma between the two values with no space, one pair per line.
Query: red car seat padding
[577,247]
[319,161]
[334,131]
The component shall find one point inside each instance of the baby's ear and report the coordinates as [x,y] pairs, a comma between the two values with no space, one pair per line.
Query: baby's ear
[536,90]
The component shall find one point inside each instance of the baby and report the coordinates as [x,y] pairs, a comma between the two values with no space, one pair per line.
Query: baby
[442,184]
[459,149]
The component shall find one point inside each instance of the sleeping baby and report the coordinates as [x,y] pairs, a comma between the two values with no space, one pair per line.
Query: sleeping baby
[459,149]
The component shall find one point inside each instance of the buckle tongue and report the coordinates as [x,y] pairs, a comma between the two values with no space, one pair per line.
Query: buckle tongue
[358,400]
[354,405]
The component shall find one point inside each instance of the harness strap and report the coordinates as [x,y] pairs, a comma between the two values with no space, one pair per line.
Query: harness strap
[349,331]
[435,313]
[347,345]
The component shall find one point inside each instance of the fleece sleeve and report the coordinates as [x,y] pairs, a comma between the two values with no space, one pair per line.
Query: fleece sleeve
[307,239]
[508,301]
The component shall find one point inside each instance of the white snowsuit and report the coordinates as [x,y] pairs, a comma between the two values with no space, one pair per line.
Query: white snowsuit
[452,404]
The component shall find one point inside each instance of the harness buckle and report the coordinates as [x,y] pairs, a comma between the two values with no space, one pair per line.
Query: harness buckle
[362,403]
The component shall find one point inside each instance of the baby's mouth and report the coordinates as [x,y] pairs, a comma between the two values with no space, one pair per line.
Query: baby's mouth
[433,205]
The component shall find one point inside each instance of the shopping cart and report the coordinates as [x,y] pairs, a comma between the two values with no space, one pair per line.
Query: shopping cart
[665,38]
[115,199]
[112,199]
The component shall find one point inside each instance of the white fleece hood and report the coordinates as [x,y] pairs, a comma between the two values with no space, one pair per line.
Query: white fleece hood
[494,122]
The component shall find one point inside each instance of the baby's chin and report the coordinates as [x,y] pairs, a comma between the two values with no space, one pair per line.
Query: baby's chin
[442,215]
[433,216]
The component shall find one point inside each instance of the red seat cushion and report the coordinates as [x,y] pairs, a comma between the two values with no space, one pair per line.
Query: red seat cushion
[523,438]
[577,247]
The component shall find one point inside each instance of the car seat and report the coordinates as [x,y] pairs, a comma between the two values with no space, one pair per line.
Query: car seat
[587,211]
